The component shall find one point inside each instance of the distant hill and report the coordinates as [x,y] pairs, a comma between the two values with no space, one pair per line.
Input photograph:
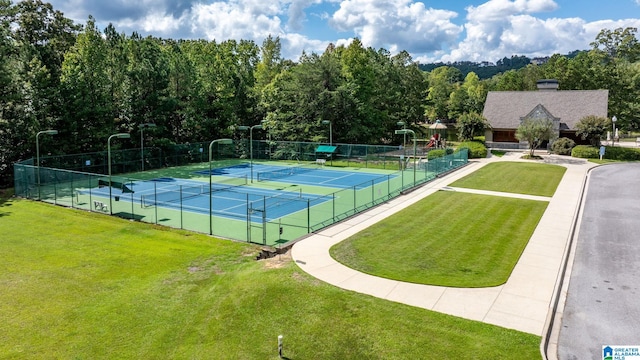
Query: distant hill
[486,70]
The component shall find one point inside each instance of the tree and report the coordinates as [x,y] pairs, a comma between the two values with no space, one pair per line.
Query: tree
[470,125]
[34,40]
[619,43]
[442,82]
[467,97]
[535,131]
[592,128]
[87,119]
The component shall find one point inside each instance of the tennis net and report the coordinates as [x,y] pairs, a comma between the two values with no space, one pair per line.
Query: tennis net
[286,171]
[183,192]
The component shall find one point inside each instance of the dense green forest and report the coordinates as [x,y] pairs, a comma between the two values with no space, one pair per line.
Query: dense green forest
[89,83]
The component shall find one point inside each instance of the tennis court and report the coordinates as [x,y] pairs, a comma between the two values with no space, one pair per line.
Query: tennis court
[308,174]
[232,199]
[281,194]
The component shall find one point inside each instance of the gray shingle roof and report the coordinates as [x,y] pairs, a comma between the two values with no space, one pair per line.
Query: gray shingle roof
[504,109]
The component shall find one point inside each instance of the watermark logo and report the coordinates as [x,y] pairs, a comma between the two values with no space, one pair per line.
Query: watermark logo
[621,352]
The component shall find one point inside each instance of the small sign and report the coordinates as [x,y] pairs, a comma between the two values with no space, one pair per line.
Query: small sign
[621,352]
[602,148]
[87,163]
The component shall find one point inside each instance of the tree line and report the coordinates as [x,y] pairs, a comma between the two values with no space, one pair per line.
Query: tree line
[89,83]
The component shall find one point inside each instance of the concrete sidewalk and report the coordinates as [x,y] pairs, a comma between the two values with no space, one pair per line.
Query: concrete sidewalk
[521,304]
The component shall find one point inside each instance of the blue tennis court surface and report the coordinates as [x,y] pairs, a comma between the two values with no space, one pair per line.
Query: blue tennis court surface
[230,201]
[311,175]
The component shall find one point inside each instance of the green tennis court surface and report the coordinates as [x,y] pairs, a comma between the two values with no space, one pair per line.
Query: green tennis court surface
[264,202]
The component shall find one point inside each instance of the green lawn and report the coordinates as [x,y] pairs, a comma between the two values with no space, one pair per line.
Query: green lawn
[447,239]
[515,177]
[78,285]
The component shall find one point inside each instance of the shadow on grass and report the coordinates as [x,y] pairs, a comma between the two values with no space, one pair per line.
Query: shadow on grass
[5,196]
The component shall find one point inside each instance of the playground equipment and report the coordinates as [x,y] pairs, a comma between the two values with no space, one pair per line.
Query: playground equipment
[436,130]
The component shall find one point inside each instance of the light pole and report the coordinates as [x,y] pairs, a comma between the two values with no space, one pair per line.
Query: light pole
[219,141]
[613,134]
[259,126]
[330,131]
[119,136]
[409,131]
[404,139]
[142,127]
[48,132]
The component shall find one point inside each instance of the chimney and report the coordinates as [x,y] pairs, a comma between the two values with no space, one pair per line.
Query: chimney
[547,84]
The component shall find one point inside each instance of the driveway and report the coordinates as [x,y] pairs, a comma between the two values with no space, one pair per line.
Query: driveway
[603,300]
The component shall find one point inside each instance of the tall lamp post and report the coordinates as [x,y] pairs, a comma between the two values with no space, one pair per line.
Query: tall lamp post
[48,132]
[613,134]
[259,126]
[409,131]
[142,127]
[219,141]
[404,138]
[119,136]
[325,122]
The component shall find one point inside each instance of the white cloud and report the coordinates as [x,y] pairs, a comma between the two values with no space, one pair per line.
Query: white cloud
[250,19]
[489,31]
[397,25]
[161,22]
[294,44]
[296,13]
[500,28]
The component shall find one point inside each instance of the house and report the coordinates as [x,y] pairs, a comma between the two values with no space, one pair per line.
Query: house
[540,60]
[505,110]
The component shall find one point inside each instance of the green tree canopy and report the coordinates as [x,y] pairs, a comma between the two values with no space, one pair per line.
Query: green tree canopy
[592,128]
[470,125]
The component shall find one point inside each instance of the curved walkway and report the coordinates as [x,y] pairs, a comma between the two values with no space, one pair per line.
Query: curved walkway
[522,303]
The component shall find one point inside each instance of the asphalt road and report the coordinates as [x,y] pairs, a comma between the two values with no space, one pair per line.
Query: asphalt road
[603,299]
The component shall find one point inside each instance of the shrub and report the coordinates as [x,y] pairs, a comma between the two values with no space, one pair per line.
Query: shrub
[563,146]
[611,153]
[585,152]
[621,153]
[477,150]
[438,153]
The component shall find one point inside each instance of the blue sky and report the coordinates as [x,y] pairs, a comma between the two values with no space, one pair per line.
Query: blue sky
[430,30]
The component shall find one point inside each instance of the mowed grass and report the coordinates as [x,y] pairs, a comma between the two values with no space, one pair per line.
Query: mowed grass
[447,239]
[515,177]
[77,285]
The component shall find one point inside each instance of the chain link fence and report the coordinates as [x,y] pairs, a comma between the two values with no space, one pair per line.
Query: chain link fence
[83,182]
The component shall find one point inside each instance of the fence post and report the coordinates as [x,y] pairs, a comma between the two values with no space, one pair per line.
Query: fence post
[333,202]
[181,224]
[308,216]
[155,204]
[373,192]
[133,216]
[264,220]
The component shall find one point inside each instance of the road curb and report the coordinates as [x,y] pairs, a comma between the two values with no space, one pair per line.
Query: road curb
[551,332]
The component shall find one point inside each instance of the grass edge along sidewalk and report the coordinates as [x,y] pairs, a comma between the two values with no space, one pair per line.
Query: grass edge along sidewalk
[83,285]
[459,240]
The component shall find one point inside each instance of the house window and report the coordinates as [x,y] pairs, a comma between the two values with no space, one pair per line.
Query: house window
[505,136]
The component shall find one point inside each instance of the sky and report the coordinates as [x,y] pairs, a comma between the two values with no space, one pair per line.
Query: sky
[429,30]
